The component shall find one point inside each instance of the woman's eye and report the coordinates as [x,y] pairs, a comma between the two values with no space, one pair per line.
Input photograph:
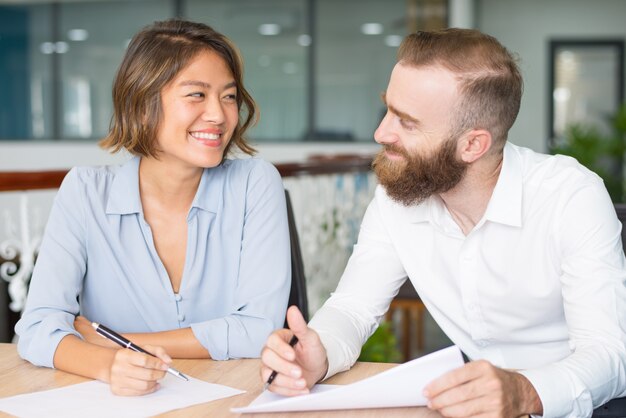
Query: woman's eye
[230,97]
[196,94]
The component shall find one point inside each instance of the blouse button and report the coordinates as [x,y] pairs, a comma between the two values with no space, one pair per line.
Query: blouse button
[178,297]
[181,317]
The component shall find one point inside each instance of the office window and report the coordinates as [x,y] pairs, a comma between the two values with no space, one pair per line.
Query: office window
[315,67]
[95,35]
[357,45]
[25,72]
[273,39]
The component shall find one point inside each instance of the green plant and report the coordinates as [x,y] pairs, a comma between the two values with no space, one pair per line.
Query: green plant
[382,346]
[601,153]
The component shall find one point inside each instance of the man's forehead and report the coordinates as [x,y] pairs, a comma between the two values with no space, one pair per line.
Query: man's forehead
[429,82]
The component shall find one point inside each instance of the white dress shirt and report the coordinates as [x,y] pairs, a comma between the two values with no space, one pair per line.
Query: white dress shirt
[537,285]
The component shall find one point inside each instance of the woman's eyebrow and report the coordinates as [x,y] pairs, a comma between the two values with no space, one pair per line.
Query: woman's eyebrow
[203,84]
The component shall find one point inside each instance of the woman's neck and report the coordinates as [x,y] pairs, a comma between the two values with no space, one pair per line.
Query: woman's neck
[174,187]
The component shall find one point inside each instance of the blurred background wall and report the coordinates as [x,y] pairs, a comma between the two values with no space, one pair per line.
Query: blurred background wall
[316,67]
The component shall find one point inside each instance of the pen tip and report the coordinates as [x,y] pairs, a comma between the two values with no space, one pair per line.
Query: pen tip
[265,386]
[94,325]
[184,377]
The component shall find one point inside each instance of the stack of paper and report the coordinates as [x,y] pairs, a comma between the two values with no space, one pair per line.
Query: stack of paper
[94,399]
[397,387]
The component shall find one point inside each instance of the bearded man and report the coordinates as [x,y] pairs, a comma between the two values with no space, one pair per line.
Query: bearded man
[517,255]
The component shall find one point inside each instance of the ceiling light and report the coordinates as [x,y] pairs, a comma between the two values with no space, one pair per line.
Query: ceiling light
[47,48]
[393,40]
[61,47]
[269,29]
[77,35]
[304,40]
[372,28]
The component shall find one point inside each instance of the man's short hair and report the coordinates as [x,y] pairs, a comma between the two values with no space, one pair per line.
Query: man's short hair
[490,82]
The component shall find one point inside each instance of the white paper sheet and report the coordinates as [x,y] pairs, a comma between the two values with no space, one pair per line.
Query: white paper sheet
[94,399]
[397,387]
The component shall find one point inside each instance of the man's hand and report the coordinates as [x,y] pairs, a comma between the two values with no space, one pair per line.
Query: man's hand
[481,389]
[298,367]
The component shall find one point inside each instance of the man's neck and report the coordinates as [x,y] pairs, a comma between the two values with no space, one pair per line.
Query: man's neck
[467,201]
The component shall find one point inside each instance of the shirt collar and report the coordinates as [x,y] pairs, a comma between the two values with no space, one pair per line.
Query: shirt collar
[124,197]
[505,205]
[209,190]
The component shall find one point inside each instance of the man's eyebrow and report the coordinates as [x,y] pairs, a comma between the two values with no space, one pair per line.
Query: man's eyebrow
[204,85]
[403,115]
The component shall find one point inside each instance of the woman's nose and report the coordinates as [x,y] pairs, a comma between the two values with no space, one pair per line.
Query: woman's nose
[213,111]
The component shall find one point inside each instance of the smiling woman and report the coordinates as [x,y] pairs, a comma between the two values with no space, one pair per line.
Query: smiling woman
[183,251]
[199,112]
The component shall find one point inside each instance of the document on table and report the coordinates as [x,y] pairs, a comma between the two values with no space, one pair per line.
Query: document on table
[94,399]
[397,387]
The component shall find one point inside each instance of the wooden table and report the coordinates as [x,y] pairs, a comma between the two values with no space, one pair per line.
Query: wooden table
[19,376]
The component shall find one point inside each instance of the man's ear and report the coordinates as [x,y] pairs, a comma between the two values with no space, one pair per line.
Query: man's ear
[474,144]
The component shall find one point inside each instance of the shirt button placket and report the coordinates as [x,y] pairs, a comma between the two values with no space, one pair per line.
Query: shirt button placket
[181,314]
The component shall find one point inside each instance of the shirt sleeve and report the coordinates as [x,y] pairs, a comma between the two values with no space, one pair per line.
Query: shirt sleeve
[57,277]
[593,279]
[371,279]
[264,279]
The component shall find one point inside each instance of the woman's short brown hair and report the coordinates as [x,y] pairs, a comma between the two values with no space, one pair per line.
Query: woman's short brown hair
[154,57]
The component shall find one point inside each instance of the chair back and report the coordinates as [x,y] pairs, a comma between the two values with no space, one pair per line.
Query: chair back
[620,210]
[297,295]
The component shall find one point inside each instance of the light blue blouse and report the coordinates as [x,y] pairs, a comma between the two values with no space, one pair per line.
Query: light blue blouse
[98,258]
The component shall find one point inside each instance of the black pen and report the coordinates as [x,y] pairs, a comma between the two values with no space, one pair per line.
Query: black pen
[293,341]
[117,338]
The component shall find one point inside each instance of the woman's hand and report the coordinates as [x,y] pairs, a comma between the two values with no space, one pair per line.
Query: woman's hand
[134,374]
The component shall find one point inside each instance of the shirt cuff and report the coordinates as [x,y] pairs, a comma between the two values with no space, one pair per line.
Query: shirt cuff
[561,394]
[336,362]
[342,352]
[213,335]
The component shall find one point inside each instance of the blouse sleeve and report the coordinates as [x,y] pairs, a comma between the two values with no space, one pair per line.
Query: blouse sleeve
[57,278]
[264,279]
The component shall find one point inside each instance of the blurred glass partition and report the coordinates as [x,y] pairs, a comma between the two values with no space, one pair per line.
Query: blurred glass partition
[92,37]
[315,67]
[25,71]
[357,44]
[273,38]
[586,83]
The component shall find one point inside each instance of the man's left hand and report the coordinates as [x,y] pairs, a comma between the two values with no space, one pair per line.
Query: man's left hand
[481,389]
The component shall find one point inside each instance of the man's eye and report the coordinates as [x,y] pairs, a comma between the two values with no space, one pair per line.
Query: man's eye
[196,94]
[407,124]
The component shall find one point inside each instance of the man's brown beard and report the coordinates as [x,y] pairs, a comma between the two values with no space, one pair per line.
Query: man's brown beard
[415,179]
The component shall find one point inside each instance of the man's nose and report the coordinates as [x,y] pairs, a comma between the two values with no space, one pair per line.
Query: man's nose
[384,134]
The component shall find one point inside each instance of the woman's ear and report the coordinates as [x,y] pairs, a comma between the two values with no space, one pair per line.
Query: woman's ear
[475,144]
